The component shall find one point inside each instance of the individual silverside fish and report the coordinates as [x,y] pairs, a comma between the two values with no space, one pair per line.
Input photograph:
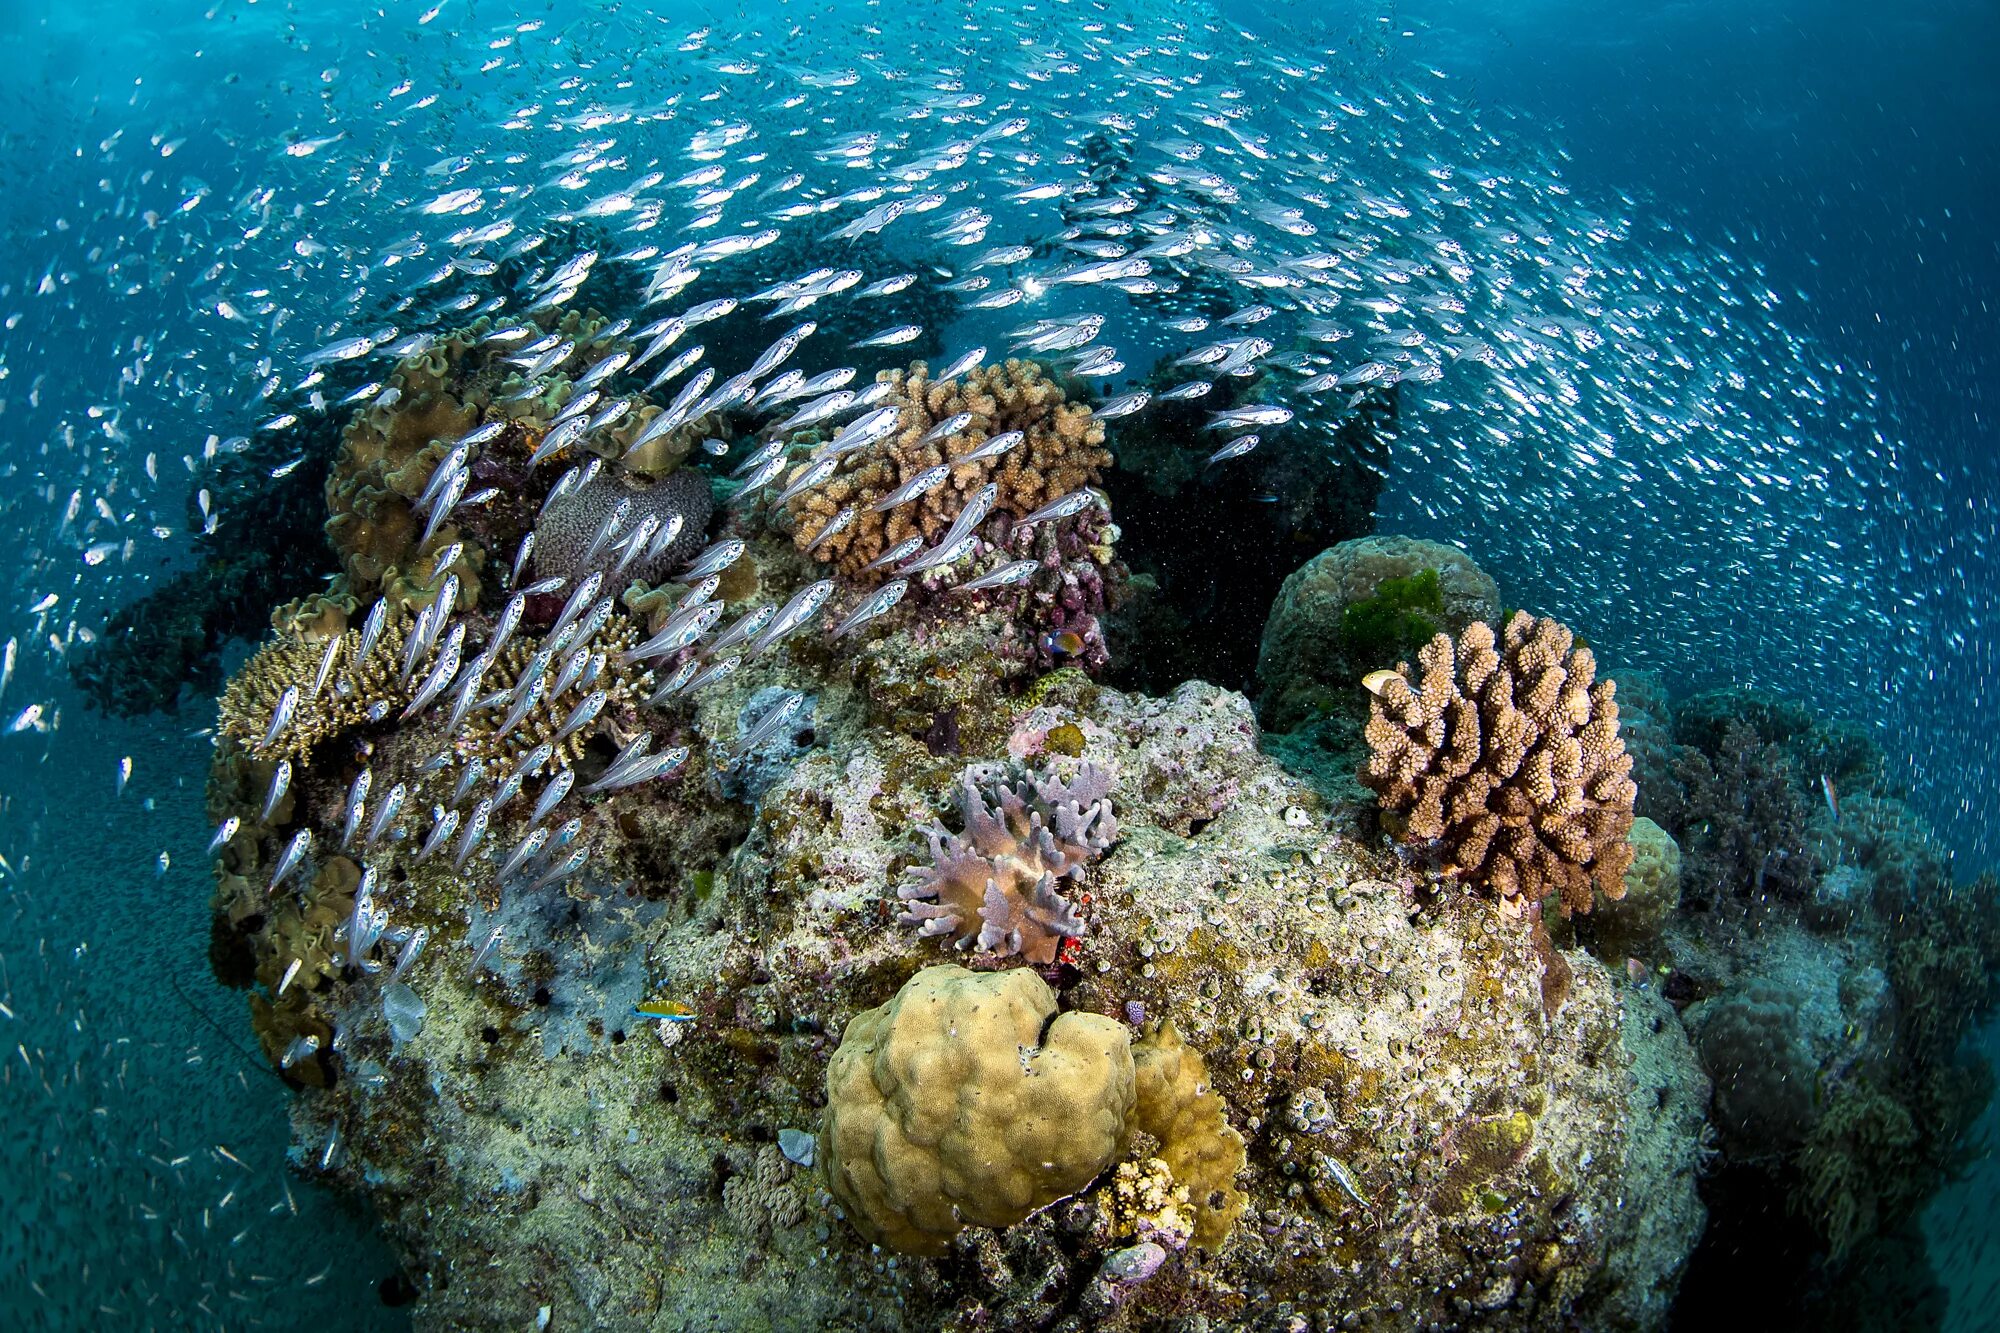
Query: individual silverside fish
[508,791]
[522,705]
[300,1048]
[479,435]
[714,560]
[552,795]
[570,672]
[916,487]
[454,491]
[1124,405]
[775,355]
[444,823]
[1182,393]
[836,525]
[827,382]
[643,770]
[973,513]
[674,367]
[665,536]
[365,924]
[441,674]
[295,852]
[385,814]
[635,543]
[613,523]
[327,658]
[577,408]
[224,833]
[758,479]
[371,631]
[875,604]
[873,428]
[815,474]
[413,647]
[545,587]
[947,428]
[1234,449]
[665,336]
[963,364]
[484,951]
[769,724]
[716,670]
[764,454]
[281,715]
[441,476]
[281,782]
[521,854]
[412,949]
[565,835]
[1074,503]
[803,606]
[446,558]
[582,715]
[823,408]
[675,683]
[562,870]
[946,552]
[896,554]
[579,475]
[532,760]
[632,754]
[357,797]
[780,389]
[504,627]
[560,436]
[475,769]
[585,593]
[475,829]
[1014,571]
[291,973]
[995,446]
[746,626]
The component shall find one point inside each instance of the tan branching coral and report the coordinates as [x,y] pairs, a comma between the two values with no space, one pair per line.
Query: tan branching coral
[625,687]
[1177,1106]
[994,887]
[1061,451]
[353,694]
[1508,755]
[966,1100]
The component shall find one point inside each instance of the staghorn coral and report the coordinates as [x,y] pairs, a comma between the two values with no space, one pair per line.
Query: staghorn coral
[564,534]
[1023,836]
[966,1100]
[1508,754]
[1177,1106]
[1063,450]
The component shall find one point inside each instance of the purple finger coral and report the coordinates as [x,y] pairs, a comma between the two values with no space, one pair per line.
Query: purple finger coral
[994,887]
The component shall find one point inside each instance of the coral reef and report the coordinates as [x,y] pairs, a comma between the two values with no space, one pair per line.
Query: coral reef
[967,1100]
[1631,923]
[1062,450]
[1744,822]
[1359,607]
[1508,755]
[994,886]
[1200,1150]
[565,534]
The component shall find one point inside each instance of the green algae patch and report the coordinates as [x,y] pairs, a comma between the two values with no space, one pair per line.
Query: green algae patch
[1402,616]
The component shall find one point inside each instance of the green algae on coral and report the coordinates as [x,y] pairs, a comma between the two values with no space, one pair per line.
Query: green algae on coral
[1400,618]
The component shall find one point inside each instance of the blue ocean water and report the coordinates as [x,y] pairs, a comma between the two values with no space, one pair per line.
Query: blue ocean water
[1762,454]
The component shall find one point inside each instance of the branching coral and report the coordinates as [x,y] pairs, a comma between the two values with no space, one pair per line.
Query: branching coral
[966,1100]
[625,686]
[354,693]
[1062,450]
[1508,754]
[1744,821]
[995,886]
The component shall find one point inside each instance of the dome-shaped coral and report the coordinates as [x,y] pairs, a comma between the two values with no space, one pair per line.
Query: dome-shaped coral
[994,886]
[966,1100]
[564,536]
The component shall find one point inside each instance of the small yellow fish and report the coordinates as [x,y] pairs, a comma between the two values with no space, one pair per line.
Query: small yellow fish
[1377,681]
[667,1011]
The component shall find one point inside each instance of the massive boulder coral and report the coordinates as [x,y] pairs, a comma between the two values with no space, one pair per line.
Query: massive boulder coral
[568,532]
[967,1100]
[1508,755]
[1062,450]
[994,887]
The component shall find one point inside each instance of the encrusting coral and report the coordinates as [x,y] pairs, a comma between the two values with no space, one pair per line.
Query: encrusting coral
[1508,754]
[1062,450]
[1177,1106]
[960,1103]
[994,886]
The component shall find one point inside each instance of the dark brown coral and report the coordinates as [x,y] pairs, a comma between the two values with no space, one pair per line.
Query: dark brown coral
[1508,755]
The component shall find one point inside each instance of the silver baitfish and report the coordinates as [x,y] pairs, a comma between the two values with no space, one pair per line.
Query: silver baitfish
[713,560]
[444,824]
[475,829]
[521,854]
[371,631]
[295,852]
[803,606]
[745,627]
[552,795]
[994,446]
[773,719]
[677,633]
[920,485]
[385,814]
[281,715]
[357,797]
[716,670]
[1073,503]
[582,715]
[896,554]
[1014,571]
[223,834]
[562,870]
[281,782]
[876,604]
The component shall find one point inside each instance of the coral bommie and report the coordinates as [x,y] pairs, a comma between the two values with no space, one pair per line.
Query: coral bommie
[994,886]
[1509,756]
[564,536]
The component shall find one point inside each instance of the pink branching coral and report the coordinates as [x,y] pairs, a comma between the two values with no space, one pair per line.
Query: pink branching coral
[994,886]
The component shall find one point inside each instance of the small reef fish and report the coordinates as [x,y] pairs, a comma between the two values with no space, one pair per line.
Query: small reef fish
[773,720]
[1832,799]
[875,604]
[922,484]
[1064,507]
[665,1011]
[1014,571]
[803,606]
[1377,681]
[1234,449]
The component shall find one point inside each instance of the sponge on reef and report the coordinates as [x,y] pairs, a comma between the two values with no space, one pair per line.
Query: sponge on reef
[1507,753]
[950,1106]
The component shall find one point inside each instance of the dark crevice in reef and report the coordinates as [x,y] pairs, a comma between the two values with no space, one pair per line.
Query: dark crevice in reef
[1208,547]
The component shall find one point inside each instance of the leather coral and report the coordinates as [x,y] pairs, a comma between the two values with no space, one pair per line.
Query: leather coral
[1507,755]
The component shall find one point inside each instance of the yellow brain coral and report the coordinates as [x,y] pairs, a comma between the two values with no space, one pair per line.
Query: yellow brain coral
[1062,450]
[950,1106]
[1507,754]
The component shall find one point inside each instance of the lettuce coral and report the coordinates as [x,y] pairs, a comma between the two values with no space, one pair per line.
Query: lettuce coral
[1507,753]
[995,886]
